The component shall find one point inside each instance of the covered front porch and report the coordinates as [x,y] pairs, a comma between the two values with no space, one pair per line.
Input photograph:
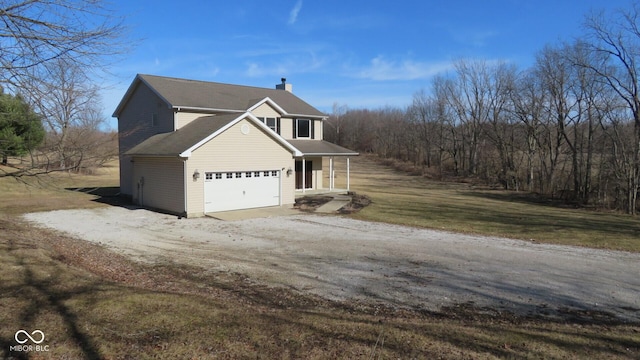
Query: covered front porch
[315,169]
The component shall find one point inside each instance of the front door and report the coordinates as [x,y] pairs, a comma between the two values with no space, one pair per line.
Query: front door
[307,174]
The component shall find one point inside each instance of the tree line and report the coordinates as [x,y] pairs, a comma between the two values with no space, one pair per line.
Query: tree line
[568,127]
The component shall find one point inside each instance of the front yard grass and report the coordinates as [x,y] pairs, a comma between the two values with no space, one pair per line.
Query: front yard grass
[460,207]
[94,304]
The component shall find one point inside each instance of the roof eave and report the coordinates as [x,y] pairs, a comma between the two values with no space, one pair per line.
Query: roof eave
[153,155]
[307,116]
[330,154]
[206,109]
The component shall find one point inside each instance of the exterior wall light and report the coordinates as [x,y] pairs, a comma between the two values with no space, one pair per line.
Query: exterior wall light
[196,175]
[289,172]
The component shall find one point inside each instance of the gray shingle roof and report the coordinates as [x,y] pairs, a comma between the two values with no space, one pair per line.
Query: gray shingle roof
[211,95]
[176,142]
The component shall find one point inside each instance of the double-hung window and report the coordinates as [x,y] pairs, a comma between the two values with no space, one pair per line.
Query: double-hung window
[303,128]
[272,123]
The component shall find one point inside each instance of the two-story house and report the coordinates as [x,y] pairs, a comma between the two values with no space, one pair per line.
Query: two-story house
[192,147]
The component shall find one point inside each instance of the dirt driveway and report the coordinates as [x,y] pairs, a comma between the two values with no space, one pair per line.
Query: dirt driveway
[345,259]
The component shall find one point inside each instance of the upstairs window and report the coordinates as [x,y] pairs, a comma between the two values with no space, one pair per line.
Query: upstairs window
[303,128]
[272,123]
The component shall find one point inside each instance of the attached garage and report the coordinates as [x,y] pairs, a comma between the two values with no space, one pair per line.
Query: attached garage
[217,163]
[235,190]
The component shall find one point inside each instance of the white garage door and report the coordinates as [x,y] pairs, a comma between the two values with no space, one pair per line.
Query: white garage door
[241,190]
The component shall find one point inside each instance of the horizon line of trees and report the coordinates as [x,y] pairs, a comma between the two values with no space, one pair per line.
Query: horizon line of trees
[568,127]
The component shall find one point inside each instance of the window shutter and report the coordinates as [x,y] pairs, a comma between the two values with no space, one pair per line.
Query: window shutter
[295,128]
[311,122]
[278,125]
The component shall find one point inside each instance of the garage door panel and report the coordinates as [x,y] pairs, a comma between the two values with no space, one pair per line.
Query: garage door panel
[241,190]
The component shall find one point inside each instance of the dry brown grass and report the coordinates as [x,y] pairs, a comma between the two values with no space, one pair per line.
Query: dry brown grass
[94,304]
[461,207]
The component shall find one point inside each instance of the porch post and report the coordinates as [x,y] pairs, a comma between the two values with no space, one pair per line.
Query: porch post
[304,176]
[348,188]
[331,173]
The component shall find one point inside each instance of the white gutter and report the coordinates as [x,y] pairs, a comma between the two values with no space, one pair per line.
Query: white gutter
[319,117]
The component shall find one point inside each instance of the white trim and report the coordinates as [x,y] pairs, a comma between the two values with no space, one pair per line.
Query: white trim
[304,176]
[271,103]
[331,173]
[278,121]
[296,128]
[314,117]
[251,117]
[348,174]
[281,175]
[328,154]
[186,185]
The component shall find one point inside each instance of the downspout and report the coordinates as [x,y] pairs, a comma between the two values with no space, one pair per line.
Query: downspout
[185,181]
[280,191]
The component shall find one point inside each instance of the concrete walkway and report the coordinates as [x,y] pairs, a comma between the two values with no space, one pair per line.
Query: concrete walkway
[339,200]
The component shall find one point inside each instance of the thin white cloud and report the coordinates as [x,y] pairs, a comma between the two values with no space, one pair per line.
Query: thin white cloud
[293,15]
[294,65]
[381,69]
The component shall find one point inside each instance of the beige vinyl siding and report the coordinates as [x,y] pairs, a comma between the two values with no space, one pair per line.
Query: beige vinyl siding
[163,185]
[286,128]
[317,124]
[135,125]
[265,110]
[234,151]
[316,170]
[183,118]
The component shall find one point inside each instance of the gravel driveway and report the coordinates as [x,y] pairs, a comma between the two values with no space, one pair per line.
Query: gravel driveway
[345,259]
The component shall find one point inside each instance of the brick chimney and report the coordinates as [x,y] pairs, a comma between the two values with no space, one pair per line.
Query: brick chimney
[284,85]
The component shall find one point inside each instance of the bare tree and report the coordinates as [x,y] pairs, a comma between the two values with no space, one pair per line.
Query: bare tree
[502,130]
[70,104]
[334,122]
[616,40]
[528,101]
[34,32]
[49,52]
[452,142]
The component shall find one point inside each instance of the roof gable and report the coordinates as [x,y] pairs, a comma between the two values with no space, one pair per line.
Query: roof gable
[269,102]
[190,137]
[218,97]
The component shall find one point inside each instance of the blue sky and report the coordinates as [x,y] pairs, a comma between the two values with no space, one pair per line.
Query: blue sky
[361,54]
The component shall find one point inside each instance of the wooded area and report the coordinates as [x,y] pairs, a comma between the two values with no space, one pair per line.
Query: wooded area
[568,127]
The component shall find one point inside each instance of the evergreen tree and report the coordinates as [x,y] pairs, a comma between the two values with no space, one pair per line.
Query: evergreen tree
[21,128]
